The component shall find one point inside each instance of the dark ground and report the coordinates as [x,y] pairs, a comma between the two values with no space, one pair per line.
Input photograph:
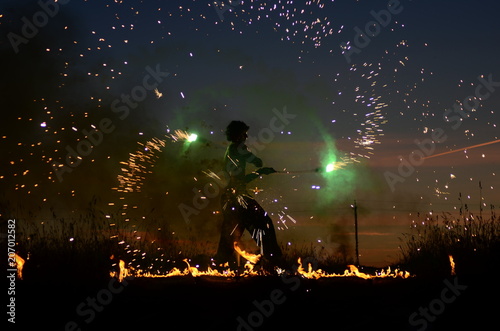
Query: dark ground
[210,303]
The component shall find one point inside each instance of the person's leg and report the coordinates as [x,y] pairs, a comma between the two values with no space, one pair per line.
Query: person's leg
[260,225]
[231,231]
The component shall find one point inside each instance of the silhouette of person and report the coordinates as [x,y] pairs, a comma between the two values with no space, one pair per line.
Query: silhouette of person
[239,209]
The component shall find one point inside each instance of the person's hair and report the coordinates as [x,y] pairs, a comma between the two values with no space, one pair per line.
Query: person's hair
[235,129]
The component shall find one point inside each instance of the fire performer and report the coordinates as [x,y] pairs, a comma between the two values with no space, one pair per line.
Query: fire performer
[239,209]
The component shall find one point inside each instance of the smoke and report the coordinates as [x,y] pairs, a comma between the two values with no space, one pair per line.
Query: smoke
[338,235]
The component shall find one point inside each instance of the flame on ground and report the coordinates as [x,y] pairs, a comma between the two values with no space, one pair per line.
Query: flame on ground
[195,272]
[19,265]
[452,264]
[252,258]
[121,273]
[353,271]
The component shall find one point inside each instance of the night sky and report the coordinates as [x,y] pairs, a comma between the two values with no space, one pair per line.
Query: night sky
[421,81]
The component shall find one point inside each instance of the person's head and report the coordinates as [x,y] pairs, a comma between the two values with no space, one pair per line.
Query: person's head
[236,131]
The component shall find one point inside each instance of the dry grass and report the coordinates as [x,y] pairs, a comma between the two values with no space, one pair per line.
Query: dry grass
[80,246]
[474,243]
[76,246]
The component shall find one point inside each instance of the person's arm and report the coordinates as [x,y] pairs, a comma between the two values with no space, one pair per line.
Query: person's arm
[256,161]
[251,176]
[258,173]
[249,156]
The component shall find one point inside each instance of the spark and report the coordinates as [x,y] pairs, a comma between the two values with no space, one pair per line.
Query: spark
[158,93]
[181,135]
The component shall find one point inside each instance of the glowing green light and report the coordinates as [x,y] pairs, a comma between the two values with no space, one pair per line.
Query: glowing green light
[192,137]
[330,167]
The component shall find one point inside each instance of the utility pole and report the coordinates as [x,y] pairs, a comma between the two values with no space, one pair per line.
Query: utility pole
[355,207]
[480,200]
[461,205]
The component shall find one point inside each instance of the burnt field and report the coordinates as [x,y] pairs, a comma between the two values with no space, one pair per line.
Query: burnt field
[258,303]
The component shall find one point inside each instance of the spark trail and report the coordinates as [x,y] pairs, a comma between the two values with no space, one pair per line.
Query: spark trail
[463,149]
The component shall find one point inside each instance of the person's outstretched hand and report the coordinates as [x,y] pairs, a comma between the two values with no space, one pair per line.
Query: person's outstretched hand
[265,171]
